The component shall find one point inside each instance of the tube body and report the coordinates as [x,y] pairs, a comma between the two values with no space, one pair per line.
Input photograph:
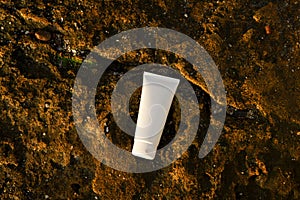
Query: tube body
[156,99]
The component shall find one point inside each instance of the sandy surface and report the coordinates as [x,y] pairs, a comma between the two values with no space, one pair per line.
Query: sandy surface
[255,45]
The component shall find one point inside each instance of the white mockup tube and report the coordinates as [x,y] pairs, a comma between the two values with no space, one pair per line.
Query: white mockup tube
[156,99]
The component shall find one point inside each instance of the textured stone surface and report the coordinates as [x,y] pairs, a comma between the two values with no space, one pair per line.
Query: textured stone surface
[257,156]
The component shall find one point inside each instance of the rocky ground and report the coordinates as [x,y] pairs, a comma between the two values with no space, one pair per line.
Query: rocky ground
[256,46]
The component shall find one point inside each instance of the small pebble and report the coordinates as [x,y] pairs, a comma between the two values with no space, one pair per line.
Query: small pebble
[47,105]
[268,30]
[73,51]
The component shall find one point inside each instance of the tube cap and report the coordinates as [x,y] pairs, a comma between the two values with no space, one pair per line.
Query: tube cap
[143,149]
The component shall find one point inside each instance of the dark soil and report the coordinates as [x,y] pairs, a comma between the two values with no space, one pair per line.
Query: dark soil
[256,46]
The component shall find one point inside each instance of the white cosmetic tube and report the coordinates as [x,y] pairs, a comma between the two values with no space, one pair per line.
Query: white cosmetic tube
[156,99]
